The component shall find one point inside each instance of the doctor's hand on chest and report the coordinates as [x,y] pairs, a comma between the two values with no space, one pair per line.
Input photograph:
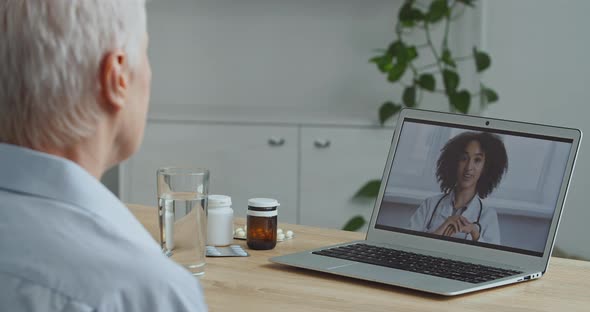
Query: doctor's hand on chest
[458,224]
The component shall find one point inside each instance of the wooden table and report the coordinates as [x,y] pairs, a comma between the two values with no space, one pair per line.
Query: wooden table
[254,284]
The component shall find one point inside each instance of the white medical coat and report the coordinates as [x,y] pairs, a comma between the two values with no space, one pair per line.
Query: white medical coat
[490,230]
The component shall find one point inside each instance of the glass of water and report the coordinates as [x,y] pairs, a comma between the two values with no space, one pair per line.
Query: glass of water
[182,208]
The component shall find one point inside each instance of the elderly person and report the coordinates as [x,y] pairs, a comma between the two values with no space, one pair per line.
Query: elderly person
[74,92]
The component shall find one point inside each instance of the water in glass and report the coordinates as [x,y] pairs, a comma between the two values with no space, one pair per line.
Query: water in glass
[183,228]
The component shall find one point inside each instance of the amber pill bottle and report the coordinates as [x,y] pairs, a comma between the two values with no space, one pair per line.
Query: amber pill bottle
[262,223]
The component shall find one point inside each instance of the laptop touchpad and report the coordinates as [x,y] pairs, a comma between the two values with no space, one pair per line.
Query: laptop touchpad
[373,272]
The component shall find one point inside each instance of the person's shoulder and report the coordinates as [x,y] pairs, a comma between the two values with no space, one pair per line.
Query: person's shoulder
[488,210]
[153,283]
[434,198]
[77,255]
[22,295]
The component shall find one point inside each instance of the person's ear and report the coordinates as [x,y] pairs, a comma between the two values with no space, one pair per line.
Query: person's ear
[114,80]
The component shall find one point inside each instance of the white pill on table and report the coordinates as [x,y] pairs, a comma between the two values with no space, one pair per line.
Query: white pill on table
[279,231]
[289,234]
[281,236]
[238,230]
[241,234]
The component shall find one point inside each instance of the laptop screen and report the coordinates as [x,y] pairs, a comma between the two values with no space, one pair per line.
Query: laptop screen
[491,188]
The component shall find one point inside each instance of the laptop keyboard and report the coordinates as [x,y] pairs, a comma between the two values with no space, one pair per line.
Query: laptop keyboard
[409,261]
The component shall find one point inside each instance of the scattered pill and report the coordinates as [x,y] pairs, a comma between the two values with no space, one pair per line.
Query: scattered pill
[279,231]
[281,236]
[289,234]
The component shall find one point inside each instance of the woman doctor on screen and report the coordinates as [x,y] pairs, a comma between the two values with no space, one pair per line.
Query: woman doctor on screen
[469,168]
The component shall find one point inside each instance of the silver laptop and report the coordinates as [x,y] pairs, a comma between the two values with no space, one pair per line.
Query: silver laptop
[466,203]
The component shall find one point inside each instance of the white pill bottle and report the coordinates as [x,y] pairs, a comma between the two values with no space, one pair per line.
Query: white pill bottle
[220,220]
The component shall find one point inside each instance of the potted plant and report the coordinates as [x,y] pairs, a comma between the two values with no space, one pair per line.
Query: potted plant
[429,66]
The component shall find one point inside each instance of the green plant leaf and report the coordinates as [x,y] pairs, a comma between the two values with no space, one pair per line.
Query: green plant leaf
[482,60]
[490,95]
[387,110]
[397,71]
[406,54]
[377,61]
[403,53]
[438,9]
[409,15]
[411,53]
[427,82]
[450,80]
[354,224]
[460,100]
[447,58]
[370,189]
[409,96]
[395,48]
[385,67]
[383,63]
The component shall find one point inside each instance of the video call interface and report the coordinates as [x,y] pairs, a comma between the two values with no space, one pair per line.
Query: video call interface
[491,188]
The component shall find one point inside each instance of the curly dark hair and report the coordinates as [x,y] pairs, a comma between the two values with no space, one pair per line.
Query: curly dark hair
[496,161]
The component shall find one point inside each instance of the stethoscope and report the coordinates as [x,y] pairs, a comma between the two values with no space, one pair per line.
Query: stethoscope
[438,203]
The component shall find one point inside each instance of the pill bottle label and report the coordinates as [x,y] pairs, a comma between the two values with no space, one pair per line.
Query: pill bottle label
[262,213]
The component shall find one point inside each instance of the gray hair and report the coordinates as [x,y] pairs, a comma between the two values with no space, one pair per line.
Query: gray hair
[50,55]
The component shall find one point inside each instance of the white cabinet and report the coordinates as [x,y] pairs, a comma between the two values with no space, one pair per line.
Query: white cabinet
[335,163]
[313,171]
[244,161]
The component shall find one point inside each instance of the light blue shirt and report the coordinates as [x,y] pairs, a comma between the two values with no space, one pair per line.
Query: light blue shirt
[68,244]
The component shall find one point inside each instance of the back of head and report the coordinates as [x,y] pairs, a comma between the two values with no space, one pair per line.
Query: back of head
[50,55]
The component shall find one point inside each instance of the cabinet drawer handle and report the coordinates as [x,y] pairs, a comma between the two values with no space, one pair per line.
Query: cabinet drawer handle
[321,143]
[274,141]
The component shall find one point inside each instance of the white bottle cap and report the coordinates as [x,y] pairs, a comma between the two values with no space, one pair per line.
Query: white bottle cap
[215,201]
[263,202]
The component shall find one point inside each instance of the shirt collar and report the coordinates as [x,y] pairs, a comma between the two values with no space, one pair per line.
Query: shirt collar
[31,172]
[471,210]
[35,173]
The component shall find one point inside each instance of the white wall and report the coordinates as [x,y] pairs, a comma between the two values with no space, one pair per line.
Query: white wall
[269,54]
[283,55]
[312,54]
[541,69]
[309,55]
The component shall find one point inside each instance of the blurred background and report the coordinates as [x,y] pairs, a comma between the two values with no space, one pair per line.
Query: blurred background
[277,97]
